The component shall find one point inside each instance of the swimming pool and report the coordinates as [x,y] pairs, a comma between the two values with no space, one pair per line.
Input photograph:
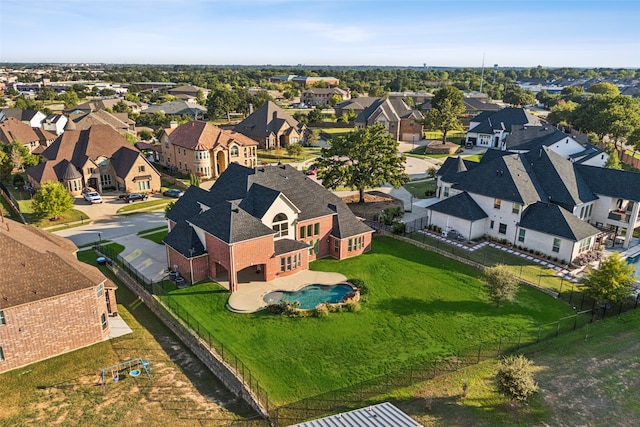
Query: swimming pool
[311,296]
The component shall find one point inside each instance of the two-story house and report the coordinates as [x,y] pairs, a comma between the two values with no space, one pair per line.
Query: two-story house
[272,127]
[270,221]
[98,157]
[490,128]
[34,139]
[317,95]
[537,200]
[204,149]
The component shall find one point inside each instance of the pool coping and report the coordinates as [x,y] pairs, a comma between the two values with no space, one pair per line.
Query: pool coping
[248,297]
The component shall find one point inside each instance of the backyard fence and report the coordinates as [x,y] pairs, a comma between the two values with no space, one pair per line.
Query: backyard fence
[13,203]
[372,390]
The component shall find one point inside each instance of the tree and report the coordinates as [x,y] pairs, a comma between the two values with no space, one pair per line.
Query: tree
[634,140]
[364,158]
[221,102]
[562,112]
[335,100]
[46,94]
[70,98]
[121,107]
[517,96]
[107,92]
[611,282]
[315,115]
[515,378]
[52,200]
[613,162]
[294,150]
[501,284]
[604,88]
[145,135]
[6,166]
[446,107]
[312,138]
[572,90]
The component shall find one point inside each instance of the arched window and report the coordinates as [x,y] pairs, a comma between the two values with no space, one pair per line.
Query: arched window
[233,151]
[281,225]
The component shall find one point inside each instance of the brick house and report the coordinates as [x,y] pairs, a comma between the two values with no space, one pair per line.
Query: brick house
[98,157]
[315,96]
[204,149]
[402,122]
[36,140]
[272,127]
[270,221]
[50,303]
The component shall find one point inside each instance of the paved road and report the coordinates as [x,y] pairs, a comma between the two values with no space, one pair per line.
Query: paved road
[113,227]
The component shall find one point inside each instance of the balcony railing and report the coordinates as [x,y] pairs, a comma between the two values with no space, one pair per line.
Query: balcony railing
[621,216]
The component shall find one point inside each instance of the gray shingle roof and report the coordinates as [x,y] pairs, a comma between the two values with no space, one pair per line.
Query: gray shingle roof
[460,206]
[490,121]
[284,246]
[176,107]
[266,120]
[229,223]
[552,219]
[611,182]
[184,238]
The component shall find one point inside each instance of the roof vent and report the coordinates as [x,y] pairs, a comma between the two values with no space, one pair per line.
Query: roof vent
[235,210]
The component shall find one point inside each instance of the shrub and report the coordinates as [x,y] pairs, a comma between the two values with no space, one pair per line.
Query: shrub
[352,306]
[18,180]
[321,310]
[515,378]
[398,227]
[360,284]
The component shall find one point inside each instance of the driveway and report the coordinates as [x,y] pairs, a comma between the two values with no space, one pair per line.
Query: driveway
[108,208]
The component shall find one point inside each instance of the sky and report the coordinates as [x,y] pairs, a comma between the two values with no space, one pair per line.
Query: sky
[447,33]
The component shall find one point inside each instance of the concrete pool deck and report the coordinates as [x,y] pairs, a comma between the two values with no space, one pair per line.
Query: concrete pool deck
[248,298]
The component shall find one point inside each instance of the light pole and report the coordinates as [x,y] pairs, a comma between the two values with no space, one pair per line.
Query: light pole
[100,238]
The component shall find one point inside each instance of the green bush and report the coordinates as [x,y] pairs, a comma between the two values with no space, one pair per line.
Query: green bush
[361,285]
[398,227]
[352,306]
[321,311]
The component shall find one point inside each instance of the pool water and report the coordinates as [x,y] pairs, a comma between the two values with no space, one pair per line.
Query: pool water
[311,296]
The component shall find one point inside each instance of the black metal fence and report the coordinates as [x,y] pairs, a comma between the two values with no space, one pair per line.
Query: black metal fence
[367,392]
[12,202]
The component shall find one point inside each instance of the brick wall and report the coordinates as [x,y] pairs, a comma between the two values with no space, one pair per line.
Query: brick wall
[52,326]
[344,246]
[326,225]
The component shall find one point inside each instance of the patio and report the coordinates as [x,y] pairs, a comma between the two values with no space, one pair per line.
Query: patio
[248,297]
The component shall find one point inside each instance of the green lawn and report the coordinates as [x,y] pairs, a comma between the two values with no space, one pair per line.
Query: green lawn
[418,189]
[144,206]
[157,236]
[421,306]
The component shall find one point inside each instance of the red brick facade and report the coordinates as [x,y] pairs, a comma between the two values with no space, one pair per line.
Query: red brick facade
[52,326]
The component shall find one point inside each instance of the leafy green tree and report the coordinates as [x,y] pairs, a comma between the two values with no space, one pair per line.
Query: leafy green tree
[107,92]
[131,97]
[69,98]
[301,117]
[562,112]
[121,107]
[221,102]
[200,99]
[500,283]
[294,150]
[6,166]
[260,98]
[312,137]
[611,282]
[364,158]
[517,96]
[604,88]
[335,100]
[546,99]
[572,90]
[46,94]
[52,200]
[634,140]
[515,378]
[613,162]
[131,139]
[446,107]
[145,135]
[315,115]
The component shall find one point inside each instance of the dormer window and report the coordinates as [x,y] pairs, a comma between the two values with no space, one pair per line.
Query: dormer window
[233,151]
[280,225]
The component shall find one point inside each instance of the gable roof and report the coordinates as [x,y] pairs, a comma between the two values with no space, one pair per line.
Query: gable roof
[24,250]
[199,135]
[229,223]
[611,182]
[266,120]
[460,206]
[20,114]
[552,219]
[83,121]
[78,145]
[392,109]
[176,107]
[504,119]
[13,129]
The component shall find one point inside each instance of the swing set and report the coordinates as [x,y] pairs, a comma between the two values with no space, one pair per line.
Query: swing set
[134,368]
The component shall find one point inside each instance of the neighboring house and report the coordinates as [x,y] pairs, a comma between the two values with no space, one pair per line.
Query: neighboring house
[204,149]
[34,139]
[402,122]
[490,128]
[419,97]
[538,200]
[266,222]
[315,96]
[55,123]
[196,111]
[50,303]
[118,121]
[103,104]
[574,147]
[97,157]
[32,118]
[272,127]
[188,92]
